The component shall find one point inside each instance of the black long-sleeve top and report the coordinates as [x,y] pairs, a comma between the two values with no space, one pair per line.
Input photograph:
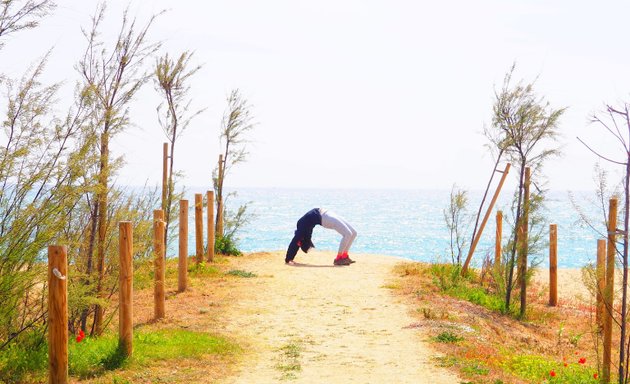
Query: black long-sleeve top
[302,238]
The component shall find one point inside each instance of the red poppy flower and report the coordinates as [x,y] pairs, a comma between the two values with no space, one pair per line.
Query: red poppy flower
[552,373]
[566,364]
[582,360]
[595,376]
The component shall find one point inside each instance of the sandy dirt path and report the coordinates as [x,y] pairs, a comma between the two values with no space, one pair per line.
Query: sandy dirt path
[317,323]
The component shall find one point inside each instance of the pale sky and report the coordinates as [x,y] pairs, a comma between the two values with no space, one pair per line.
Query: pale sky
[359,94]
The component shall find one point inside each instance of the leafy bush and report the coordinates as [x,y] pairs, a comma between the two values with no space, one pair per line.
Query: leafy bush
[446,276]
[28,355]
[226,245]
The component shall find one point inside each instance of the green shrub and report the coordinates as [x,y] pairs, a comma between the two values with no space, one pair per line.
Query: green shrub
[28,355]
[446,276]
[226,245]
[203,270]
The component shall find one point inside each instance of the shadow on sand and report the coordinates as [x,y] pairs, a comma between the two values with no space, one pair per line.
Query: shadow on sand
[303,265]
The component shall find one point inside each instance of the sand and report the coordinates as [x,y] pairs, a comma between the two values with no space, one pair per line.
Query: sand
[571,288]
[317,323]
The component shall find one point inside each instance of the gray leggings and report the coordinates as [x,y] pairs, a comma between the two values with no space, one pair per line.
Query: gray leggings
[332,221]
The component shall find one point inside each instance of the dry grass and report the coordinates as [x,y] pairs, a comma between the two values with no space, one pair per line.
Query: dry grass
[489,339]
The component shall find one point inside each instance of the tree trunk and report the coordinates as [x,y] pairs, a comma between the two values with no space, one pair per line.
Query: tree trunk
[221,172]
[90,256]
[102,228]
[510,267]
[523,249]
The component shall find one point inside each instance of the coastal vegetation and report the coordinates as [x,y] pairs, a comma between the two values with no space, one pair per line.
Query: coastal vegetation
[58,176]
[553,344]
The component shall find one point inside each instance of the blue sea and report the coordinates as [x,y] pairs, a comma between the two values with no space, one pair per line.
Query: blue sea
[406,223]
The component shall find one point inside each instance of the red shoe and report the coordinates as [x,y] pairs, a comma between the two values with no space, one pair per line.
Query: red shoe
[342,261]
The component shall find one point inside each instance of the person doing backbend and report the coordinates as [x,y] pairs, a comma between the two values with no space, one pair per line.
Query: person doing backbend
[327,219]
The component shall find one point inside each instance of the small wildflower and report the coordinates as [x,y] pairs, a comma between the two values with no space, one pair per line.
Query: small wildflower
[80,336]
[552,373]
[582,360]
[566,364]
[595,375]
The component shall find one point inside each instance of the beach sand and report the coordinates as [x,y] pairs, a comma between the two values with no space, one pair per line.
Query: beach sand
[571,287]
[316,323]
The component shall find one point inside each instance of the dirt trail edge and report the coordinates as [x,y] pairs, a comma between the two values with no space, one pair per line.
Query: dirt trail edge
[316,323]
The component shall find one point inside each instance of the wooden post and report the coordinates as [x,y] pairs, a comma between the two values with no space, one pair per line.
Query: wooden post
[609,289]
[125,314]
[219,228]
[497,241]
[164,175]
[553,265]
[158,241]
[199,227]
[600,272]
[57,314]
[210,208]
[524,242]
[182,276]
[485,219]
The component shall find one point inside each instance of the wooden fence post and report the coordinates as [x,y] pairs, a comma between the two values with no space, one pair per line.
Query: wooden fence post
[524,243]
[210,208]
[158,241]
[485,219]
[57,314]
[600,272]
[553,265]
[125,314]
[497,241]
[164,175]
[199,227]
[609,289]
[182,276]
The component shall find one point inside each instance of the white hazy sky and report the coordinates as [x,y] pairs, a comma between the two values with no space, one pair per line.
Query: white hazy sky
[360,93]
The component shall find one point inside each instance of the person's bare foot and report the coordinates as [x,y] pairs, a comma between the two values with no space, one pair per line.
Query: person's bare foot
[290,262]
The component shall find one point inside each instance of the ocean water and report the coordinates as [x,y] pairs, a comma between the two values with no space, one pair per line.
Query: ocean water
[405,223]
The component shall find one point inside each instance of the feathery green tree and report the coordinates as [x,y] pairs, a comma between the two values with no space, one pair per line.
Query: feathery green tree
[111,77]
[172,79]
[522,125]
[236,125]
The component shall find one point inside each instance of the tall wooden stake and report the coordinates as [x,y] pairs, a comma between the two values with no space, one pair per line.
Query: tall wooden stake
[600,271]
[498,238]
[485,220]
[609,289]
[199,227]
[158,241]
[164,175]
[524,239]
[57,314]
[210,208]
[553,265]
[125,314]
[182,277]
